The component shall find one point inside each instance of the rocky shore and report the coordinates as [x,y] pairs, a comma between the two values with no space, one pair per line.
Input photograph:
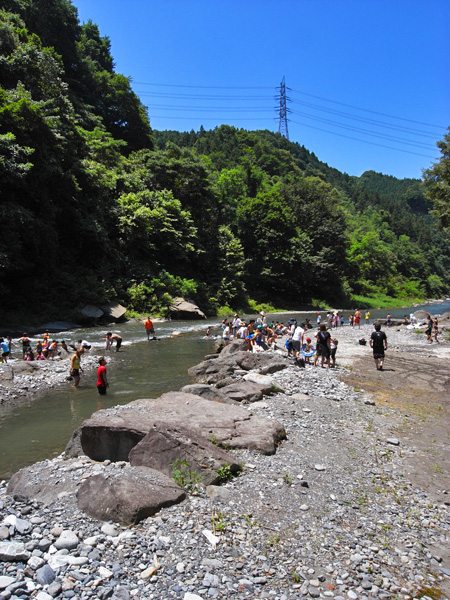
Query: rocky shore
[20,379]
[341,508]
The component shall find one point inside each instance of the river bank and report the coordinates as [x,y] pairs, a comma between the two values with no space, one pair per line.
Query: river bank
[341,510]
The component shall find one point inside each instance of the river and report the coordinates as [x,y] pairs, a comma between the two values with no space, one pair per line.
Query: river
[40,428]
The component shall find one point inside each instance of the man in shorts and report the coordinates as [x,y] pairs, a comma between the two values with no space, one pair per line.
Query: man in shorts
[378,343]
[149,328]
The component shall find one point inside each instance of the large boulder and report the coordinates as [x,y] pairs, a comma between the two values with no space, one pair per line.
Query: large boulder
[421,315]
[112,433]
[114,311]
[215,369]
[91,312]
[115,491]
[184,310]
[128,495]
[169,448]
[233,346]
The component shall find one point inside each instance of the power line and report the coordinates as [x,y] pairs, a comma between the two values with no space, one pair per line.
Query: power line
[364,141]
[365,131]
[206,87]
[366,109]
[366,120]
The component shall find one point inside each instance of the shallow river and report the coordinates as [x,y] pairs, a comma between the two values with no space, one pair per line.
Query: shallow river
[40,429]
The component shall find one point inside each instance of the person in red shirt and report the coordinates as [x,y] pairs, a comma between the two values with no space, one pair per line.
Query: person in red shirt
[102,382]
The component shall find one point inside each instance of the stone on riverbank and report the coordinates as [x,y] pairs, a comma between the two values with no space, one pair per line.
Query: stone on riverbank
[169,447]
[182,309]
[214,370]
[112,433]
[129,495]
[209,392]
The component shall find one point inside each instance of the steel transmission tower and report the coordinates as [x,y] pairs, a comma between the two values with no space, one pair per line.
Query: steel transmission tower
[283,122]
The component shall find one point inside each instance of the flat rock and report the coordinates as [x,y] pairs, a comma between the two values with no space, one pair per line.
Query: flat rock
[128,496]
[168,446]
[209,392]
[112,433]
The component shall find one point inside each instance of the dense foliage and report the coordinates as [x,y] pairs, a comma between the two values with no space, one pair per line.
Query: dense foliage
[437,181]
[95,205]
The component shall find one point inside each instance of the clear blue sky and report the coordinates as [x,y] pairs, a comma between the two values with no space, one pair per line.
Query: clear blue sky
[376,71]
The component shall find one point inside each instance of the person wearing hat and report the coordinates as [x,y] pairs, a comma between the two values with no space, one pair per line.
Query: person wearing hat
[149,327]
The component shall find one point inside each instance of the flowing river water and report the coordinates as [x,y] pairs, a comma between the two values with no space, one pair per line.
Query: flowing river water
[37,429]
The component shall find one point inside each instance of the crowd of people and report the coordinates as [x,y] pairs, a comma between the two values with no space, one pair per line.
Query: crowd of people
[259,335]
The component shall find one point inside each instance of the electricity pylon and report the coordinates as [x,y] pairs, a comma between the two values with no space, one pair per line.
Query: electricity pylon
[283,122]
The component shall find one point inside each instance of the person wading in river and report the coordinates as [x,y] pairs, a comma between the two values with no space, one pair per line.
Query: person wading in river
[102,382]
[75,367]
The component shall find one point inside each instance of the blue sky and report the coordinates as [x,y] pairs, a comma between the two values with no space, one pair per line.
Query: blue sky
[358,71]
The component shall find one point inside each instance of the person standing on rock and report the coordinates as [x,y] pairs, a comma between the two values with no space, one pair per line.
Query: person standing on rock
[102,381]
[75,367]
[378,343]
[149,328]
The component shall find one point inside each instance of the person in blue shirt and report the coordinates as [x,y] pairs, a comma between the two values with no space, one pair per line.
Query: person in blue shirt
[4,350]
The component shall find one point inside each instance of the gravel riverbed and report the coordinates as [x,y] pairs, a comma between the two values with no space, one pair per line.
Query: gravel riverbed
[333,514]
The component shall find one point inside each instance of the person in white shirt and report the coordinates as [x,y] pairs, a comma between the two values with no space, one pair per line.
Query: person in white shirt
[297,339]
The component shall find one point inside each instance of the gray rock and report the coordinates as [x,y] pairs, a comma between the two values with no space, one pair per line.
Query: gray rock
[244,391]
[209,392]
[217,494]
[112,433]
[167,445]
[127,496]
[5,581]
[13,551]
[393,441]
[45,575]
[114,310]
[181,309]
[67,540]
[54,589]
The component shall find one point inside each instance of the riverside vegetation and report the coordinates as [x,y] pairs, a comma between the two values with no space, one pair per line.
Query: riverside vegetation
[94,205]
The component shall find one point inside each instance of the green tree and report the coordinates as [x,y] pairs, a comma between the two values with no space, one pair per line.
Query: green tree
[437,181]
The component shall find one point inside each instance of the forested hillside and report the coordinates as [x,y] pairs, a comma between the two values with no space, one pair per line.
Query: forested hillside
[94,205]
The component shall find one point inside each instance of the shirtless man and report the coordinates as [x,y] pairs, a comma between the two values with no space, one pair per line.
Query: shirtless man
[110,337]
